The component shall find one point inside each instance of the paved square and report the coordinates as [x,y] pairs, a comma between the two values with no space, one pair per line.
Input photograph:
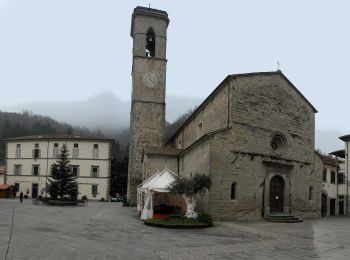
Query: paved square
[109,231]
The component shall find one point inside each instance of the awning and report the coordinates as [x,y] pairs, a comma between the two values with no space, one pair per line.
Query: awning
[5,186]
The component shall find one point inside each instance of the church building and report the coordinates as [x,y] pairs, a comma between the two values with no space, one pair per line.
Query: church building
[254,135]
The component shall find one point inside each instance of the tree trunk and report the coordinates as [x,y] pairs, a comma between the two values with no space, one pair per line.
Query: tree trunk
[190,206]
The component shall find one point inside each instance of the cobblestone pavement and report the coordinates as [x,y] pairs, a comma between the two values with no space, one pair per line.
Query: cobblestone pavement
[109,231]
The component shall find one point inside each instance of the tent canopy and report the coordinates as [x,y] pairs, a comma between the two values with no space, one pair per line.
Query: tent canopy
[159,182]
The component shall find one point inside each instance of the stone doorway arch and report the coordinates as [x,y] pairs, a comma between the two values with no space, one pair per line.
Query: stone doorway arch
[277,194]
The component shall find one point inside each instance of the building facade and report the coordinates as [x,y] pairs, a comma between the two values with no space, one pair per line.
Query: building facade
[254,135]
[334,192]
[29,159]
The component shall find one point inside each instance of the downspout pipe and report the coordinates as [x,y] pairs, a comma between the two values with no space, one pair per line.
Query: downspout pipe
[337,180]
[347,175]
[47,166]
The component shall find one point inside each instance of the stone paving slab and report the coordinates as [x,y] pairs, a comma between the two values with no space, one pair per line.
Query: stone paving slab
[108,231]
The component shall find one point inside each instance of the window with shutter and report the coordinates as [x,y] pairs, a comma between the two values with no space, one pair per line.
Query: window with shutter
[75,170]
[36,170]
[94,190]
[75,153]
[94,171]
[18,151]
[95,153]
[17,169]
[332,177]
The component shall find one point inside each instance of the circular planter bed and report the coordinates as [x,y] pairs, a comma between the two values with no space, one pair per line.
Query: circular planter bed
[176,223]
[50,202]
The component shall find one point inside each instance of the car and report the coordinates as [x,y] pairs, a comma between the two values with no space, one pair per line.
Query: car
[117,198]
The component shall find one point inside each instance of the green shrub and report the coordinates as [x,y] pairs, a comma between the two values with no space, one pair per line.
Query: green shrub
[174,216]
[125,202]
[176,223]
[205,218]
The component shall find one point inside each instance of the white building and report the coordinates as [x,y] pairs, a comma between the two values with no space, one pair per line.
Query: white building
[29,159]
[334,192]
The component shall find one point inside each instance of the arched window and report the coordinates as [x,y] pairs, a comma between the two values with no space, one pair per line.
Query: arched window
[278,143]
[150,43]
[310,193]
[233,191]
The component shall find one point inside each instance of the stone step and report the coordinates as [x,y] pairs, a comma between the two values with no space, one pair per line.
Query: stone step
[282,218]
[269,218]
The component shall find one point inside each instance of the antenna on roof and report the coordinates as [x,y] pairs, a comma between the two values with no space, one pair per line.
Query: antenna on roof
[278,65]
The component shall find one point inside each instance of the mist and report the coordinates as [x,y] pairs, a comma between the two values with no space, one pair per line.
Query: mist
[105,112]
[110,114]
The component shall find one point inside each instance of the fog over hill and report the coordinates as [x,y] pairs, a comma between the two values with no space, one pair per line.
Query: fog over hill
[110,114]
[105,112]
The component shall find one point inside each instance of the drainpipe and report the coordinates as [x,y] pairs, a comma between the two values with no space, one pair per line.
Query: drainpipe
[347,174]
[47,166]
[337,200]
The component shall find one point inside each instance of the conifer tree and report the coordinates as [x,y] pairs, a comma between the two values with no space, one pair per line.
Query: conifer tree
[62,182]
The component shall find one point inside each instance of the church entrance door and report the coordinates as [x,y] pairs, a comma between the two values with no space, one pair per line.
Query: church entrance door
[276,194]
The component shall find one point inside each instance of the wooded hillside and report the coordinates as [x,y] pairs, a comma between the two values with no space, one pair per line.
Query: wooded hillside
[27,123]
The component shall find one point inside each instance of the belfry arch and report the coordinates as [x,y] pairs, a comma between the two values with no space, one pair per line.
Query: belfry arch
[150,43]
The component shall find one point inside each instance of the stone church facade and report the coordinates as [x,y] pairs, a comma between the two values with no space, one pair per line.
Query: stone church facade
[254,135]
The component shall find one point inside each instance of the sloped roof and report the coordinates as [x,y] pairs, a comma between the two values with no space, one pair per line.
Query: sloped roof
[345,138]
[158,182]
[58,137]
[234,76]
[5,186]
[329,160]
[339,153]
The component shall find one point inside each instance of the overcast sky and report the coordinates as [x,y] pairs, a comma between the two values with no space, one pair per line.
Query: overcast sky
[69,50]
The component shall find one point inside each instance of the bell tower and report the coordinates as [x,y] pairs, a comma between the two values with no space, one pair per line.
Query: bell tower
[147,117]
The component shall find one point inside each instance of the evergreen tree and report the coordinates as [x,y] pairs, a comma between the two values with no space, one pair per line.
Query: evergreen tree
[119,176]
[62,182]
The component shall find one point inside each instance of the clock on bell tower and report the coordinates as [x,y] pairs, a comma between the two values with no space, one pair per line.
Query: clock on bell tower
[147,117]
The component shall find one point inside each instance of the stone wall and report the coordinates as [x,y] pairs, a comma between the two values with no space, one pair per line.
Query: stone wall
[155,163]
[264,104]
[306,177]
[213,115]
[226,168]
[147,130]
[248,172]
[197,160]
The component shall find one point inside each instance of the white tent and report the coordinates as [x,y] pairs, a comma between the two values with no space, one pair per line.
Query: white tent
[158,182]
